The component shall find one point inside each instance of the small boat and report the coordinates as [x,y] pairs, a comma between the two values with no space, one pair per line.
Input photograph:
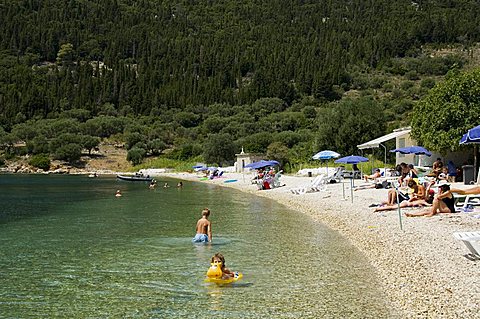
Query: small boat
[135,178]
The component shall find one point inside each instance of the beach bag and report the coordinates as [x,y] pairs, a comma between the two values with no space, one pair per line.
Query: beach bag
[383,184]
[386,184]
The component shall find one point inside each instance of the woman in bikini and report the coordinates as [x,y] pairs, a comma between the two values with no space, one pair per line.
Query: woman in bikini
[443,203]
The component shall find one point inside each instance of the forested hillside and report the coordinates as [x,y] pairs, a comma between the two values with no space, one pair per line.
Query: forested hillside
[204,78]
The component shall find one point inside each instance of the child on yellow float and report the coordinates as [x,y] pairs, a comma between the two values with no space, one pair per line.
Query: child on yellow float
[219,273]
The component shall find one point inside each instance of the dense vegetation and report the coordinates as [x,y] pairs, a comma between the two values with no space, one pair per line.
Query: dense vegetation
[205,78]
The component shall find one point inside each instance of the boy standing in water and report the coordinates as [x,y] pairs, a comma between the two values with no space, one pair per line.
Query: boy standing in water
[204,228]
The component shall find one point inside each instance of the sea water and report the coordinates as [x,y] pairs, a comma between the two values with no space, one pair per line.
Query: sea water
[70,249]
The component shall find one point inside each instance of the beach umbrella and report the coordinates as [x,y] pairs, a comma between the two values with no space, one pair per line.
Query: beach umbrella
[272,163]
[417,150]
[472,137]
[325,155]
[352,159]
[256,164]
[262,163]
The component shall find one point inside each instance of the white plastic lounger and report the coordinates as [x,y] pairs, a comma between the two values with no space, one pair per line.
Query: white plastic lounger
[464,200]
[318,184]
[472,241]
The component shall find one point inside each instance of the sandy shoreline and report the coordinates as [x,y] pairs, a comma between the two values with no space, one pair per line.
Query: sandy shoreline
[422,267]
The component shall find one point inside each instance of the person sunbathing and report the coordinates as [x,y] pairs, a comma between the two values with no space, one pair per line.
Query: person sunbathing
[374,176]
[443,203]
[419,197]
[404,204]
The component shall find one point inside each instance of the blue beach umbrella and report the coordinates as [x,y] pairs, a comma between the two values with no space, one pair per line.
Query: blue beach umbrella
[273,162]
[472,136]
[352,159]
[262,163]
[255,164]
[417,150]
[325,155]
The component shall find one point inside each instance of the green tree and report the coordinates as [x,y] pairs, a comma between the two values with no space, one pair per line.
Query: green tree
[186,119]
[41,161]
[67,147]
[349,123]
[156,146]
[131,139]
[65,55]
[136,155]
[450,109]
[90,142]
[279,152]
[219,149]
[38,145]
[69,152]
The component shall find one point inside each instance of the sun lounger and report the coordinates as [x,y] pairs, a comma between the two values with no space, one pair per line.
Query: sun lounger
[466,201]
[318,184]
[472,241]
[276,179]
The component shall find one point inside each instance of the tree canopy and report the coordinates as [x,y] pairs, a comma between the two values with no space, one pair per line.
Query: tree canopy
[449,110]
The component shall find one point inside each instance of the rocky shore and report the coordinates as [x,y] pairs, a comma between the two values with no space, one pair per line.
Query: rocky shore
[422,267]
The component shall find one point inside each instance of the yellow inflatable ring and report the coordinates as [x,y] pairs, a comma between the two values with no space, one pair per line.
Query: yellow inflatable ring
[237,277]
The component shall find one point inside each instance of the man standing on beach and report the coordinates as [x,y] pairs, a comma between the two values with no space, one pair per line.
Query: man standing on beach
[204,228]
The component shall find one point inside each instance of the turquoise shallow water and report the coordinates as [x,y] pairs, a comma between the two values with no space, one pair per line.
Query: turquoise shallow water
[69,248]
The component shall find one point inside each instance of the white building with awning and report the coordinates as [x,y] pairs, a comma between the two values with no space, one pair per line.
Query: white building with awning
[402,139]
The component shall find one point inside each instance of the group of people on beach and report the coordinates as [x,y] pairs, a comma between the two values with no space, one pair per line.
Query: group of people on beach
[423,194]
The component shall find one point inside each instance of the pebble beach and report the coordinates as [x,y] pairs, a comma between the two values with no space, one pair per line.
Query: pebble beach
[422,267]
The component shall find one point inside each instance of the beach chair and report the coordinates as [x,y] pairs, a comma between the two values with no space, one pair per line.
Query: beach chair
[472,241]
[466,203]
[319,183]
[276,179]
[337,175]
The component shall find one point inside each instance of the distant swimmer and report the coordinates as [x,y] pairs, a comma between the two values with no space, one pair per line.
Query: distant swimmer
[204,228]
[180,184]
[166,185]
[153,183]
[118,193]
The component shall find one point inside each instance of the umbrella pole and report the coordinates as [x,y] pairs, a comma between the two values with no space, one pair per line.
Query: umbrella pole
[351,188]
[475,160]
[399,209]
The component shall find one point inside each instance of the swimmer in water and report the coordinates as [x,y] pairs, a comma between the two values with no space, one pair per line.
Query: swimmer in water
[226,273]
